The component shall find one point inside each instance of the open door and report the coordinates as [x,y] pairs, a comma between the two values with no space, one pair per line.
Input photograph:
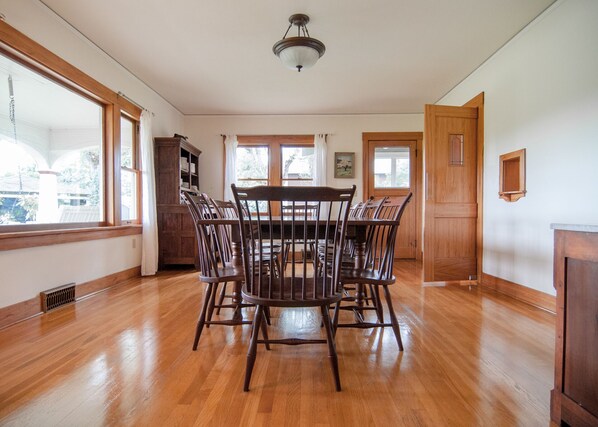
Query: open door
[452,229]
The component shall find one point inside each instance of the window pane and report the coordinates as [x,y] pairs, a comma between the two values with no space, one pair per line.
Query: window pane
[128,195]
[126,142]
[297,183]
[391,167]
[128,178]
[297,162]
[251,183]
[51,144]
[252,163]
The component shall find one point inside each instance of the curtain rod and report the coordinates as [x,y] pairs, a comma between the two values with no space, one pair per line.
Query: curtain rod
[122,95]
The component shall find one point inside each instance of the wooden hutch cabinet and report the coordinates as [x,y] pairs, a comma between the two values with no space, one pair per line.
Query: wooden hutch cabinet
[574,399]
[177,167]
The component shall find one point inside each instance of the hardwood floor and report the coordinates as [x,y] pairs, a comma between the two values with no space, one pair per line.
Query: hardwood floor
[123,357]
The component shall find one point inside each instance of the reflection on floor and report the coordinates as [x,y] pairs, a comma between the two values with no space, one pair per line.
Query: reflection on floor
[124,357]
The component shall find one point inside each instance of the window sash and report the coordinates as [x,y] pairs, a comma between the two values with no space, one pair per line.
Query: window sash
[275,144]
[34,56]
[131,216]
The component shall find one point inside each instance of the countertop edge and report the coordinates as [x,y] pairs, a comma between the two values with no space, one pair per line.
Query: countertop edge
[586,228]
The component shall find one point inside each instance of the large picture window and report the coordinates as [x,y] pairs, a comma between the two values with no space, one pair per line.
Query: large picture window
[51,138]
[69,154]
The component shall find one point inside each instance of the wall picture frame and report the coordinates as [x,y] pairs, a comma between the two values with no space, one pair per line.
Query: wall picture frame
[344,165]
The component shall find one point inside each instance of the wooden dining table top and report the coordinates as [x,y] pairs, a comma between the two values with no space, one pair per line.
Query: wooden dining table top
[354,222]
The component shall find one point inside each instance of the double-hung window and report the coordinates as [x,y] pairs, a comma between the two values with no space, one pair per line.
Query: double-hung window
[129,170]
[286,160]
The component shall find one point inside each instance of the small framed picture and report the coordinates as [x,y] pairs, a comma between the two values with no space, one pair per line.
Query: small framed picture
[344,165]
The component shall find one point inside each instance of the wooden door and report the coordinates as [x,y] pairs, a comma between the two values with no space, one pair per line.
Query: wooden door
[391,165]
[451,193]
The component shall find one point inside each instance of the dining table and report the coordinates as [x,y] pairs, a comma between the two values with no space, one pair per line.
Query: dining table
[357,231]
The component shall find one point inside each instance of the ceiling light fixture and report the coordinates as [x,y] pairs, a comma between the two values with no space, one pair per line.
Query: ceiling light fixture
[299,52]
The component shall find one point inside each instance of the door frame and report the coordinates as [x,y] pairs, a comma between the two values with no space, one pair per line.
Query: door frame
[478,102]
[417,199]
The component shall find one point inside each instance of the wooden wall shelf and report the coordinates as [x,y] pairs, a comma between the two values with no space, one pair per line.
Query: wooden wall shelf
[512,176]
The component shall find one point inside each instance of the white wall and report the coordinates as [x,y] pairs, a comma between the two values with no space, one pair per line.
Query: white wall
[345,134]
[25,272]
[541,94]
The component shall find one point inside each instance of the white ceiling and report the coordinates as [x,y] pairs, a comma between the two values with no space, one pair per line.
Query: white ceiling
[382,56]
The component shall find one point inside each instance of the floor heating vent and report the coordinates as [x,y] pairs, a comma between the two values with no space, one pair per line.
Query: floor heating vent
[57,297]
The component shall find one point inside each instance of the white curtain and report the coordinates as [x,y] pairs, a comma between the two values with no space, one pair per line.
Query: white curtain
[230,168]
[149,239]
[320,160]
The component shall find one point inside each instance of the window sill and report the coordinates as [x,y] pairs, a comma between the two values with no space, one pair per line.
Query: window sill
[31,239]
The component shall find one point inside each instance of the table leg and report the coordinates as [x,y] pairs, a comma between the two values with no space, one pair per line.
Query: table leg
[237,263]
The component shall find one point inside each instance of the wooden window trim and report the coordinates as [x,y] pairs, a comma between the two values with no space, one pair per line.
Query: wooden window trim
[33,55]
[275,139]
[31,239]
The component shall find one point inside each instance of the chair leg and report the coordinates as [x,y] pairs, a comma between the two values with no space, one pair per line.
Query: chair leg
[332,356]
[202,315]
[211,305]
[314,259]
[221,297]
[337,310]
[278,267]
[285,259]
[393,318]
[375,291]
[265,328]
[251,353]
[267,315]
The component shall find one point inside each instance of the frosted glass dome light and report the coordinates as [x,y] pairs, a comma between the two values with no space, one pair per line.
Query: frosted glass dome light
[301,51]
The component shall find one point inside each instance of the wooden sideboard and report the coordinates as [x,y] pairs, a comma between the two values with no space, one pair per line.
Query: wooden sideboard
[574,399]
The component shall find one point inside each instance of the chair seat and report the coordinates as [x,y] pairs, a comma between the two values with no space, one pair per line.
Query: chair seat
[226,274]
[309,301]
[365,276]
[347,260]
